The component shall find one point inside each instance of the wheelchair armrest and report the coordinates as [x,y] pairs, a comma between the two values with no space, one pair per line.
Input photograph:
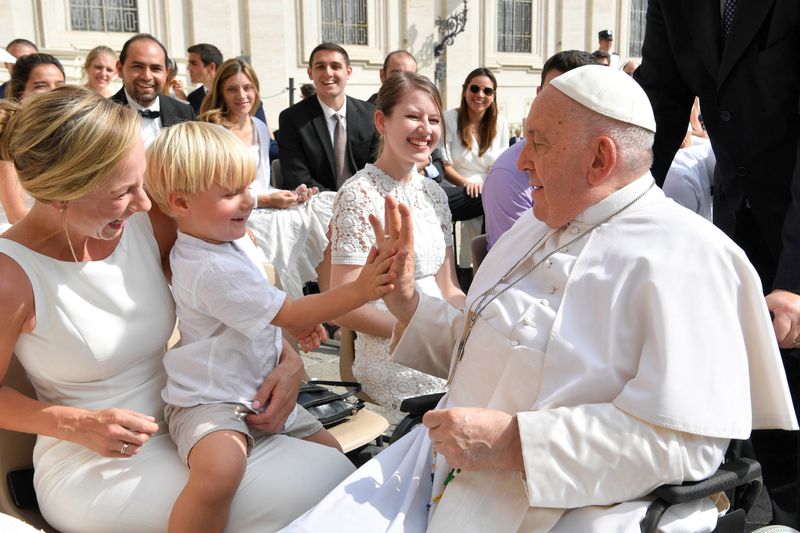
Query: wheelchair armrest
[729,475]
[419,405]
[736,473]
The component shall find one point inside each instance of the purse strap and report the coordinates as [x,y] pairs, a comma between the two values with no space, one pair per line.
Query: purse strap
[352,387]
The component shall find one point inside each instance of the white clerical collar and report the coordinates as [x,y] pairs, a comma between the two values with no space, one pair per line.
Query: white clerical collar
[615,201]
[155,106]
[329,111]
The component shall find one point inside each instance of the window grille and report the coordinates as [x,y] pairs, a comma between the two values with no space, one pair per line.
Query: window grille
[344,21]
[514,26]
[637,26]
[104,15]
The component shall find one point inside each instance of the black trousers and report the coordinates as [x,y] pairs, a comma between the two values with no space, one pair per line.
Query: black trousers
[778,451]
[463,206]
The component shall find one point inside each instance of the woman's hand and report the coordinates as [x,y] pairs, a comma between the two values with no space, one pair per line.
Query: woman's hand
[281,199]
[278,392]
[305,193]
[473,188]
[109,432]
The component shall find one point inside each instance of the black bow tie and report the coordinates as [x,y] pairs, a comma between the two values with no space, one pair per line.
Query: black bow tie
[149,114]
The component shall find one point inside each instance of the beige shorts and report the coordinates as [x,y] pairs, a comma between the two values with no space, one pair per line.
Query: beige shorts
[187,425]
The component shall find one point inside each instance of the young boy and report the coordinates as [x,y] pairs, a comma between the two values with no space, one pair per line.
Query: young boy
[228,315]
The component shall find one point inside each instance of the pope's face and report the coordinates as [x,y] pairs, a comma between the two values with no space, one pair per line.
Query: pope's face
[556,159]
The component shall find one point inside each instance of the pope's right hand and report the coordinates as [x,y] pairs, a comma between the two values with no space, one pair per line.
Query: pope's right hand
[399,236]
[110,432]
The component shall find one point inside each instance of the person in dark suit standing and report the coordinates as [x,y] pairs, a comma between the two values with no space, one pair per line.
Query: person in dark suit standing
[740,59]
[142,67]
[325,139]
[203,61]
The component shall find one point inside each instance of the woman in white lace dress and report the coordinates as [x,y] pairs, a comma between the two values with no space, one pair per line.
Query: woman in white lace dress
[409,120]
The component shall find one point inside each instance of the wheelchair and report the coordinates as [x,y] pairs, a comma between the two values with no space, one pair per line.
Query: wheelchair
[739,477]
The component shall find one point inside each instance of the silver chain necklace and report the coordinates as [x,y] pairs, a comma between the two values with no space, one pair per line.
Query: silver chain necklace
[487,297]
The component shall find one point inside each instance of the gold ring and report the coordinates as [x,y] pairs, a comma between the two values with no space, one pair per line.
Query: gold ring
[796,343]
[124,449]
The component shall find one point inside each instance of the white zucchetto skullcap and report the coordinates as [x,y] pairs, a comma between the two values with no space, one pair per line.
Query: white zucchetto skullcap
[609,92]
[5,57]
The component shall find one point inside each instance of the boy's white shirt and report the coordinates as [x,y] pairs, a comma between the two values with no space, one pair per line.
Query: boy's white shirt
[225,305]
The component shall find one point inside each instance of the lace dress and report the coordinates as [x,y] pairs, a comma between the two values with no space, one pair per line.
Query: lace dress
[386,382]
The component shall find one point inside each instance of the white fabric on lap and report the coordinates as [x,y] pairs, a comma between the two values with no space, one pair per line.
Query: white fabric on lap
[294,239]
[390,493]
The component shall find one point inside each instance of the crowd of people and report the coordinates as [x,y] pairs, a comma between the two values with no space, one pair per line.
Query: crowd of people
[572,364]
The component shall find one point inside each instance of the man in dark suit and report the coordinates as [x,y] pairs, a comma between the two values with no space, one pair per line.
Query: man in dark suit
[318,147]
[396,61]
[142,68]
[204,59]
[740,58]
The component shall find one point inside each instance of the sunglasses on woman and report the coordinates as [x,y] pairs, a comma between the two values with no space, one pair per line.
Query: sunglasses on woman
[475,89]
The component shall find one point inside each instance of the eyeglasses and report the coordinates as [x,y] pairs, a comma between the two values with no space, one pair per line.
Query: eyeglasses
[475,89]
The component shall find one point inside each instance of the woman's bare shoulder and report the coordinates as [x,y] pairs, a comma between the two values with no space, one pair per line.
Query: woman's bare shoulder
[16,293]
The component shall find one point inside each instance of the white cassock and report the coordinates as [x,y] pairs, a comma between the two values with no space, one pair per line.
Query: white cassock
[630,357]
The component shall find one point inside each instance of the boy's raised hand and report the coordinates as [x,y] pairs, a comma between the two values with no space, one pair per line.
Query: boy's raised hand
[376,278]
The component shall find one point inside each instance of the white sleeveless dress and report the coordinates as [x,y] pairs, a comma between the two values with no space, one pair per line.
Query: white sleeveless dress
[385,382]
[100,334]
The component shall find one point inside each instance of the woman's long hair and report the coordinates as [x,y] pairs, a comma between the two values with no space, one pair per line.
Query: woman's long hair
[213,108]
[488,126]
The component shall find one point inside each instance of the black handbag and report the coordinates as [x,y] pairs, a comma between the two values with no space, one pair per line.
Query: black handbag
[327,406]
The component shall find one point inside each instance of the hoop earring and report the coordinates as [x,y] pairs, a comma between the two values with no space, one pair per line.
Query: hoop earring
[66,232]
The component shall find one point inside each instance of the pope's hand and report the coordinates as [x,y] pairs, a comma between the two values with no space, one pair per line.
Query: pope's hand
[475,439]
[785,306]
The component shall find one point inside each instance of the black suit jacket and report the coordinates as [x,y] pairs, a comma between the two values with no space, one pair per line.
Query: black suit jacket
[748,89]
[306,150]
[195,98]
[172,111]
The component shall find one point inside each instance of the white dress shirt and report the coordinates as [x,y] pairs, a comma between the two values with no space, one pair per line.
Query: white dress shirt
[150,126]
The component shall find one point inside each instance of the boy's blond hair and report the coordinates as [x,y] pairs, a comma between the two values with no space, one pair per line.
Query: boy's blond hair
[191,157]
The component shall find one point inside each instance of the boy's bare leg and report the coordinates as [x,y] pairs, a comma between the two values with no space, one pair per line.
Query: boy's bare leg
[217,464]
[324,437]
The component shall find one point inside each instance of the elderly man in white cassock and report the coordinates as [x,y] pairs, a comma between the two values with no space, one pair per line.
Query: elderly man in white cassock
[613,342]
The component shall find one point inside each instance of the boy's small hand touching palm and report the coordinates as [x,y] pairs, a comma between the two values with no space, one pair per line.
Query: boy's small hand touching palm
[376,278]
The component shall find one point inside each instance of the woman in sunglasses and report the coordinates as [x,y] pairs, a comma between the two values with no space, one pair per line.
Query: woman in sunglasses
[475,136]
